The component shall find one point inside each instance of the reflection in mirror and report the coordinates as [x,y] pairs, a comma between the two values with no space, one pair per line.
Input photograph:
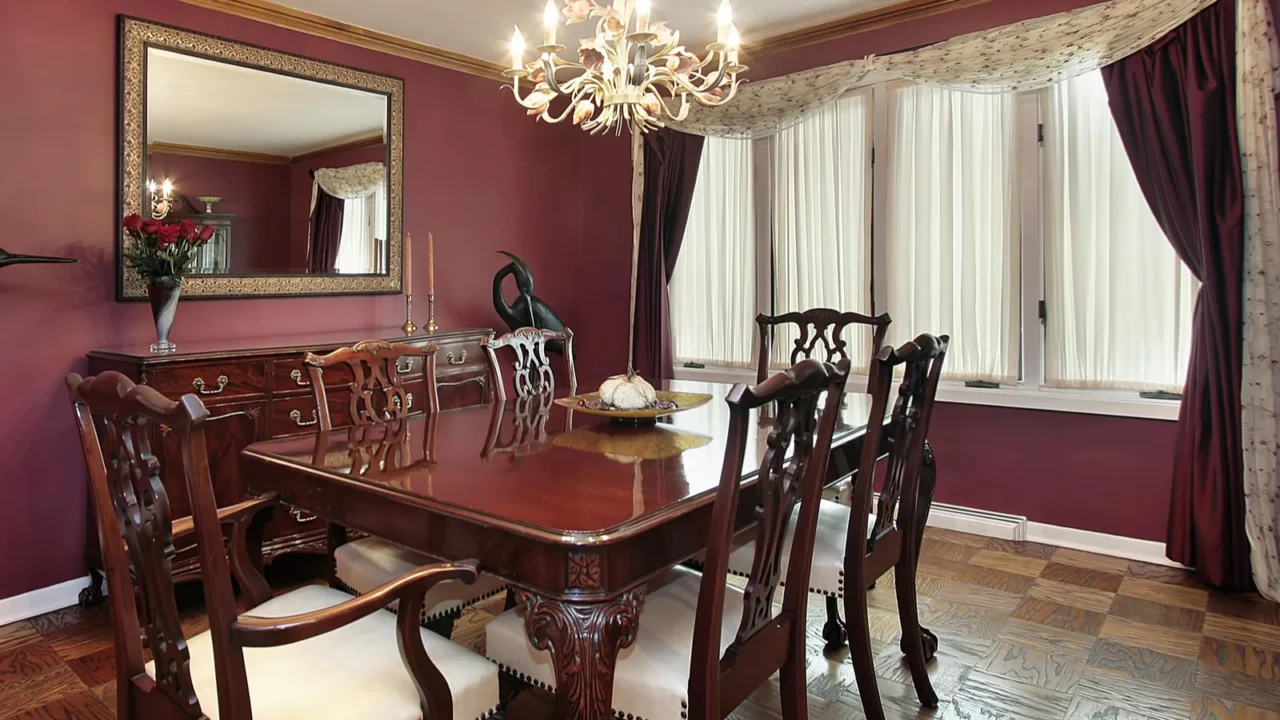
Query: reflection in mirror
[291,173]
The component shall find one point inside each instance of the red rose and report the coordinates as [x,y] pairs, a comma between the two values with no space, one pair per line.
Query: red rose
[206,233]
[167,236]
[133,223]
[188,229]
[151,227]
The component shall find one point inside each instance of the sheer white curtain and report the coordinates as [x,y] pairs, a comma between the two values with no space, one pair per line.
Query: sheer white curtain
[713,298]
[952,226]
[821,211]
[364,233]
[1119,300]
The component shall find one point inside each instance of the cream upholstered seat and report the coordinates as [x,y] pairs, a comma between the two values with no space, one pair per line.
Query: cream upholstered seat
[353,673]
[367,563]
[827,574]
[651,679]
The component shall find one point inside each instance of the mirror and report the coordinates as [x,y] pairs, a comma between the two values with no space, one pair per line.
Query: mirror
[294,163]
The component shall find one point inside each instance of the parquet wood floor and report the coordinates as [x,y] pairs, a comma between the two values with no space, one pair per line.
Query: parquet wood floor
[1028,632]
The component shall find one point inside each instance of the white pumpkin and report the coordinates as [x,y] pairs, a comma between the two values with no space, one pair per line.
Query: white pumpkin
[627,392]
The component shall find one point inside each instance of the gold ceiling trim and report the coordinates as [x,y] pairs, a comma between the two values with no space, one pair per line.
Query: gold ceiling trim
[166,148]
[312,24]
[859,23]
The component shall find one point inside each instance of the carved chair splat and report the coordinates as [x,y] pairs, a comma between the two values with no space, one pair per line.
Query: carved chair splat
[532,373]
[819,328]
[378,394]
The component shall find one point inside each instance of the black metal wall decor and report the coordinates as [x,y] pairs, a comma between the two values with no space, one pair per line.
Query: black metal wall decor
[8,258]
[528,310]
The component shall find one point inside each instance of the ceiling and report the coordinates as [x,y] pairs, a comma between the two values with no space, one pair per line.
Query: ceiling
[208,104]
[482,28]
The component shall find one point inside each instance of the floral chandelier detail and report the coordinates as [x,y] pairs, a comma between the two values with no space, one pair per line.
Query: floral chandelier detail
[629,74]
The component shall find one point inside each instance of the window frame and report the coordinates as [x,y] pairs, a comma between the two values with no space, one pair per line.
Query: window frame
[1030,393]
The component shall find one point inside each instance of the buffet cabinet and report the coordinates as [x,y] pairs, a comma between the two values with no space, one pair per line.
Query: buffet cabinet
[264,391]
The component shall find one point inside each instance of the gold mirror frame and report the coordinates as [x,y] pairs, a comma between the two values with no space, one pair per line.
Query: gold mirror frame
[136,36]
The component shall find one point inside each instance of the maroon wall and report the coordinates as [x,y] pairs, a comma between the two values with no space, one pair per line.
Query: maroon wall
[300,193]
[1090,472]
[256,193]
[478,173]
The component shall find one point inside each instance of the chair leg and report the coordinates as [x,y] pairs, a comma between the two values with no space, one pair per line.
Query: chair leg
[792,685]
[833,631]
[918,644]
[861,653]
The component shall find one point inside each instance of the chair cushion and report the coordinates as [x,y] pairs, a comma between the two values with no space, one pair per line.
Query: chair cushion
[827,574]
[352,673]
[368,563]
[651,679]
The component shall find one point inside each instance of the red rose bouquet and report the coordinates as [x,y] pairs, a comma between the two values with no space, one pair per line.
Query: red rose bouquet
[160,253]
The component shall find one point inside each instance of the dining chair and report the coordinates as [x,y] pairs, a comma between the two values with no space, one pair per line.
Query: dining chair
[312,652]
[857,544]
[532,373]
[703,646]
[377,398]
[819,326]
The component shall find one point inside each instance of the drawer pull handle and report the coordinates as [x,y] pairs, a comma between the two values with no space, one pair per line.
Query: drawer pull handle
[460,360]
[297,378]
[221,385]
[404,369]
[408,397]
[296,417]
[302,516]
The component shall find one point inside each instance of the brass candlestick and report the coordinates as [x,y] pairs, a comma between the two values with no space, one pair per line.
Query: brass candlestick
[432,327]
[409,328]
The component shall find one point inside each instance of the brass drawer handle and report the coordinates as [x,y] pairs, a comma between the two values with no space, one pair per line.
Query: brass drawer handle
[408,397]
[404,369]
[303,516]
[297,378]
[198,384]
[296,417]
[461,360]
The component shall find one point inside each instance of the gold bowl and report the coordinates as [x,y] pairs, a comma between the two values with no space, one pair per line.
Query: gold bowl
[684,401]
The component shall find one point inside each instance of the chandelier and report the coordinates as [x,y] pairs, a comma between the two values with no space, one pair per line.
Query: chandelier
[630,73]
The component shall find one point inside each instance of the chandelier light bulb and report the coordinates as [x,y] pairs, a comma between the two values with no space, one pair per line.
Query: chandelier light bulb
[642,16]
[550,20]
[724,18]
[517,50]
[733,42]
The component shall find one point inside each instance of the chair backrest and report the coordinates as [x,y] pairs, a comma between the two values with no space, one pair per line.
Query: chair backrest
[791,473]
[907,431]
[377,392]
[532,373]
[820,326]
[118,423]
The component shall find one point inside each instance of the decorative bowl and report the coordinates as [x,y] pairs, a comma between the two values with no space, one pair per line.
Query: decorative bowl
[588,404]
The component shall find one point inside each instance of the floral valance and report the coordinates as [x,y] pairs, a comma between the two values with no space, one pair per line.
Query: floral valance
[353,181]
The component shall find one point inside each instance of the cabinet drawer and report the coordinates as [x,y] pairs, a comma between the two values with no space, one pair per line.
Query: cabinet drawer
[463,355]
[213,383]
[291,375]
[463,390]
[296,415]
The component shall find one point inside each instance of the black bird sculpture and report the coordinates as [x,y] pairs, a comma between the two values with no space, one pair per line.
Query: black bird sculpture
[528,310]
[8,258]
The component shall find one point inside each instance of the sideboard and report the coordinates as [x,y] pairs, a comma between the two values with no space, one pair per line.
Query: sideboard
[263,384]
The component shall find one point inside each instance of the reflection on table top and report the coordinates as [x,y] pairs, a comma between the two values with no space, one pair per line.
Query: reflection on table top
[537,464]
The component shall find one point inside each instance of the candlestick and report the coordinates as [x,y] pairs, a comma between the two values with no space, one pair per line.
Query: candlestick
[409,328]
[431,264]
[550,18]
[723,19]
[408,264]
[642,16]
[517,50]
[432,327]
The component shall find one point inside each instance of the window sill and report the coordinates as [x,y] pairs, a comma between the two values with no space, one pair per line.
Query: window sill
[1083,402]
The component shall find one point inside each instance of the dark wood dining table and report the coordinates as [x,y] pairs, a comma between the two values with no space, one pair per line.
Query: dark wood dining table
[577,513]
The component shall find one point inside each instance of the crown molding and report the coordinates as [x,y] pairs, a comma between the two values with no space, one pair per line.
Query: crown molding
[859,23]
[312,24]
[370,141]
[216,153]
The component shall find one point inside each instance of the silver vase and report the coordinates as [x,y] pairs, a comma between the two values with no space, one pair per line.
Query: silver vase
[164,306]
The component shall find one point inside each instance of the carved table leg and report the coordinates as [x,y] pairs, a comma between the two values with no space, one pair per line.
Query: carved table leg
[584,640]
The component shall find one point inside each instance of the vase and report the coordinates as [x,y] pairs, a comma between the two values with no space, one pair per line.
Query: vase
[164,306]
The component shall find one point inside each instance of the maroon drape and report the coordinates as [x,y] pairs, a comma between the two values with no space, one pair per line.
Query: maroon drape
[1175,105]
[326,234]
[670,171]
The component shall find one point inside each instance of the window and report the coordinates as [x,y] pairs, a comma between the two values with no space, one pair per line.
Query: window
[956,213]
[364,232]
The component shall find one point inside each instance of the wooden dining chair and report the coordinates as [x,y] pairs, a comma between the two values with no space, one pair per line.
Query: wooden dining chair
[378,398]
[818,327]
[532,373]
[858,544]
[703,646]
[313,652]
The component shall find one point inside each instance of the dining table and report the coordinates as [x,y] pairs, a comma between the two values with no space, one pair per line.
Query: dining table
[576,512]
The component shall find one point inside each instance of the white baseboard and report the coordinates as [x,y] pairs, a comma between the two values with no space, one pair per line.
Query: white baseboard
[978,522]
[1148,551]
[42,600]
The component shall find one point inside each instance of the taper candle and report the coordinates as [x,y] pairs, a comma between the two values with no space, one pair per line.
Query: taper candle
[408,264]
[431,264]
